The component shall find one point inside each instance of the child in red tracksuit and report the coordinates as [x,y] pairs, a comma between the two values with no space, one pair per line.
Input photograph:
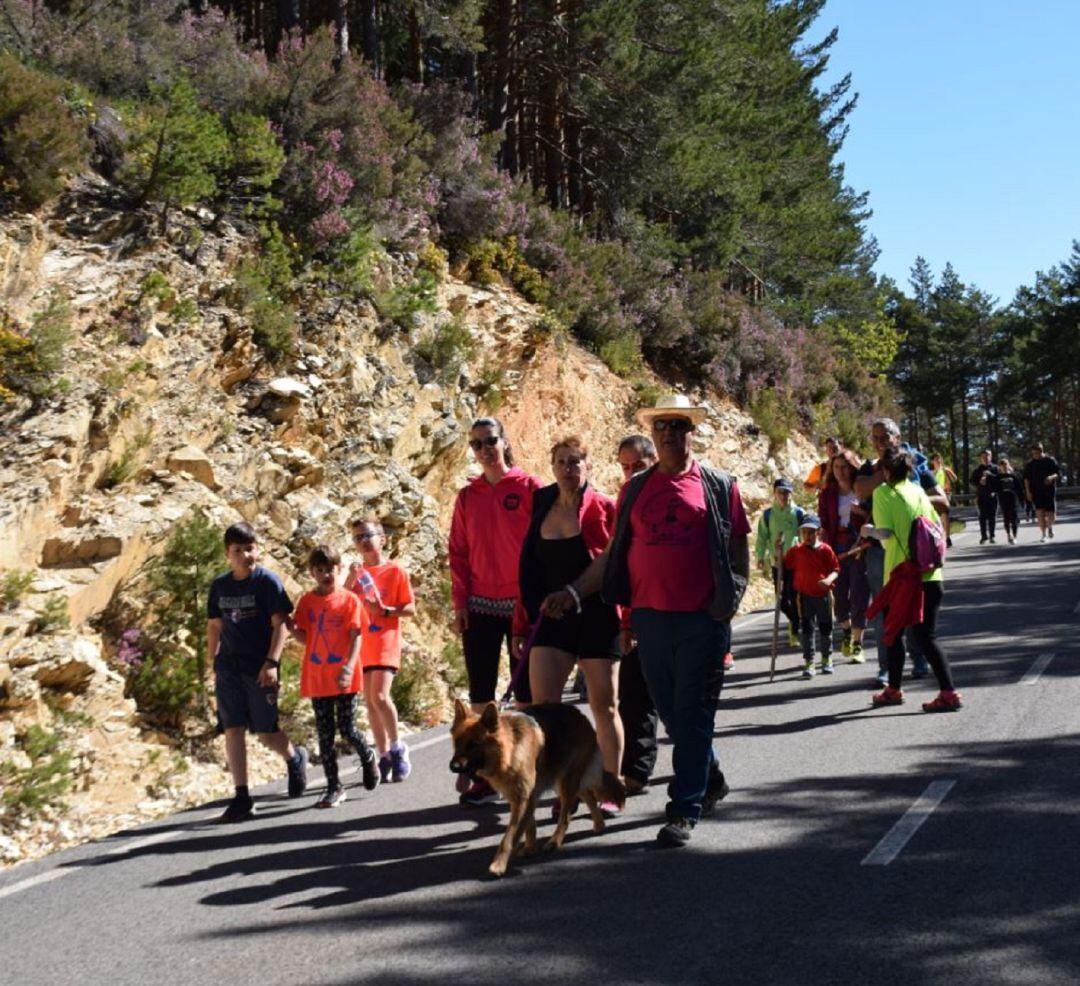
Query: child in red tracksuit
[815,570]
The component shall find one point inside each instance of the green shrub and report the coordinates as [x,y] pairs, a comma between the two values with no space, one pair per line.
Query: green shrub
[432,258]
[177,150]
[166,660]
[454,672]
[258,290]
[416,691]
[774,413]
[400,303]
[490,261]
[40,140]
[489,385]
[122,469]
[447,347]
[156,287]
[13,586]
[53,616]
[545,328]
[647,393]
[44,783]
[186,310]
[252,164]
[30,363]
[622,355]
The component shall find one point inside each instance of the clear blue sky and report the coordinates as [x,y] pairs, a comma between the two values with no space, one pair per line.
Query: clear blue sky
[966,133]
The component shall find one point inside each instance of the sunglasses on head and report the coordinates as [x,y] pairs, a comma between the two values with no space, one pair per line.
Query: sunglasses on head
[478,443]
[671,424]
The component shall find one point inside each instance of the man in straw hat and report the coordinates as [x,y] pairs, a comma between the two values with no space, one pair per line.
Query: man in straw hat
[680,557]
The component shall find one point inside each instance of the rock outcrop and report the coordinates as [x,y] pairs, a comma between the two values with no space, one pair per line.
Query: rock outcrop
[162,415]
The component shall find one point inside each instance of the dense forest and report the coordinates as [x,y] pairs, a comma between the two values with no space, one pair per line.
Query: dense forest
[664,178]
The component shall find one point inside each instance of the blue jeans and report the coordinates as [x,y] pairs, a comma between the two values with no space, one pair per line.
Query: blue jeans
[875,574]
[682,656]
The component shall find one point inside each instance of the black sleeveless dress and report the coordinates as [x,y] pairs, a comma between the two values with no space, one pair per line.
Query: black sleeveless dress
[594,632]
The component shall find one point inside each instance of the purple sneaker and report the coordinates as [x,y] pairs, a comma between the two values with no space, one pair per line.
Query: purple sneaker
[385,766]
[399,757]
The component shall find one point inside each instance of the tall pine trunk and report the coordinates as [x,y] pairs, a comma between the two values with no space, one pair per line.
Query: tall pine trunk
[369,35]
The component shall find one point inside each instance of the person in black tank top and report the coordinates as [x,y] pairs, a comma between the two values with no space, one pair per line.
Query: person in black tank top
[571,524]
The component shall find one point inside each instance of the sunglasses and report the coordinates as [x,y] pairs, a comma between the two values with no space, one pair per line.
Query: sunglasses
[365,536]
[478,443]
[671,424]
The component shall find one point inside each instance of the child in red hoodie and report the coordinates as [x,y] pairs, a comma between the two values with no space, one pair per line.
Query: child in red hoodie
[815,570]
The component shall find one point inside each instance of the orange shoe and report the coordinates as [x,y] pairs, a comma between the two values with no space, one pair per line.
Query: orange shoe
[729,661]
[945,702]
[890,696]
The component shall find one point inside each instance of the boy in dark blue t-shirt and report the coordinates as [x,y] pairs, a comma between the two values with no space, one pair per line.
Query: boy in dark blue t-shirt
[246,630]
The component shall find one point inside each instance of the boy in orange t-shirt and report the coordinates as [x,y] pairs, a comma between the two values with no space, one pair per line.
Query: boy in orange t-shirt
[815,568]
[387,598]
[328,622]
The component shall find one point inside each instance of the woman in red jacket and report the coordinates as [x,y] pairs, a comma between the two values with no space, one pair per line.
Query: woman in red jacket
[572,524]
[491,516]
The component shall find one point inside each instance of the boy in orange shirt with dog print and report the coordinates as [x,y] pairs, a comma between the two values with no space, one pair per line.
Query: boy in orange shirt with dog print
[328,621]
[386,595]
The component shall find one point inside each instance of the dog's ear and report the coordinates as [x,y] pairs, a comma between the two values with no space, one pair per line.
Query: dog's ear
[461,711]
[490,717]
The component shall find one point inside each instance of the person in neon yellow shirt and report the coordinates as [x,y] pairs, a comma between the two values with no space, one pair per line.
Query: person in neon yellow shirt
[897,503]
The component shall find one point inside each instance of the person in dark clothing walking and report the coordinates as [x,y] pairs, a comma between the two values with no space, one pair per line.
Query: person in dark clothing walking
[984,479]
[636,707]
[1010,496]
[1041,475]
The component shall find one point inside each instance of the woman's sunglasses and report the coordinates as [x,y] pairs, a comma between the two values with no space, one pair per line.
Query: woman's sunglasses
[478,443]
[365,535]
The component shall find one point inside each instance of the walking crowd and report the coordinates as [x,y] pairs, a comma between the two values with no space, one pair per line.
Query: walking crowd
[637,592]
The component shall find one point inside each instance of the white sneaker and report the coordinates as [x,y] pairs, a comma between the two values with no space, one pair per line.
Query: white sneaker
[1042,540]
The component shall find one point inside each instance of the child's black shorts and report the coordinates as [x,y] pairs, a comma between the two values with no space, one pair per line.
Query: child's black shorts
[242,701]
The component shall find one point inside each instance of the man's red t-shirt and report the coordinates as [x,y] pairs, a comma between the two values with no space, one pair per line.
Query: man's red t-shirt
[668,558]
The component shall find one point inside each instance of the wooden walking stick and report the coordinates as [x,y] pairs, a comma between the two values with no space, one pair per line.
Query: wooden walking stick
[778,583]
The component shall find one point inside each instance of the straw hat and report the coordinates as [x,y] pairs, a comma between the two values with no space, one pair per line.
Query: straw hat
[672,406]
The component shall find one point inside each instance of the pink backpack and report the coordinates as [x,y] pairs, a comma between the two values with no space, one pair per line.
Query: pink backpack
[926,544]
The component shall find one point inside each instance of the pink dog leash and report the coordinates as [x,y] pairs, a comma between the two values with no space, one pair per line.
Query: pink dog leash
[523,663]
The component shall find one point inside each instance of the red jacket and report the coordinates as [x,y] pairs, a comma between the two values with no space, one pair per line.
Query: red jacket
[811,565]
[902,600]
[485,536]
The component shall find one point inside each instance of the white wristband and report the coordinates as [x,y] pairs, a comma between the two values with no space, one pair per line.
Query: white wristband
[573,592]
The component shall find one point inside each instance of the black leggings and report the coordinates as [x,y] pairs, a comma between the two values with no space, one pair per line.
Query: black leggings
[1010,515]
[987,517]
[925,634]
[344,706]
[483,646]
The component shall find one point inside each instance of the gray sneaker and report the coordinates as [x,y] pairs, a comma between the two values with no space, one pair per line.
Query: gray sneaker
[716,790]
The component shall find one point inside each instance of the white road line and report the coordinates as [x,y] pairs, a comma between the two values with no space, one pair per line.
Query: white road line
[150,840]
[898,836]
[33,881]
[1036,669]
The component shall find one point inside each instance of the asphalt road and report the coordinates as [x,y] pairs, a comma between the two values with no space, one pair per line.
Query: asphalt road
[857,845]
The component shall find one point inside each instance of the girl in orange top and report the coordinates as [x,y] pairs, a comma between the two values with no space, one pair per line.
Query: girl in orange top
[387,598]
[328,621]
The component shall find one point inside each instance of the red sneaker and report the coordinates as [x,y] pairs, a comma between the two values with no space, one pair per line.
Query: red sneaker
[890,696]
[729,661]
[945,702]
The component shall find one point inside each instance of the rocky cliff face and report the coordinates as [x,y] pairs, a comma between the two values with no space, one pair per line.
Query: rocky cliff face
[170,405]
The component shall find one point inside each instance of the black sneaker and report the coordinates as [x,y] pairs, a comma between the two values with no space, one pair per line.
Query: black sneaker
[369,767]
[715,790]
[240,809]
[676,833]
[298,773]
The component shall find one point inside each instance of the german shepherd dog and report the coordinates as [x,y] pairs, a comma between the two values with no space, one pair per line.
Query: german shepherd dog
[522,754]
